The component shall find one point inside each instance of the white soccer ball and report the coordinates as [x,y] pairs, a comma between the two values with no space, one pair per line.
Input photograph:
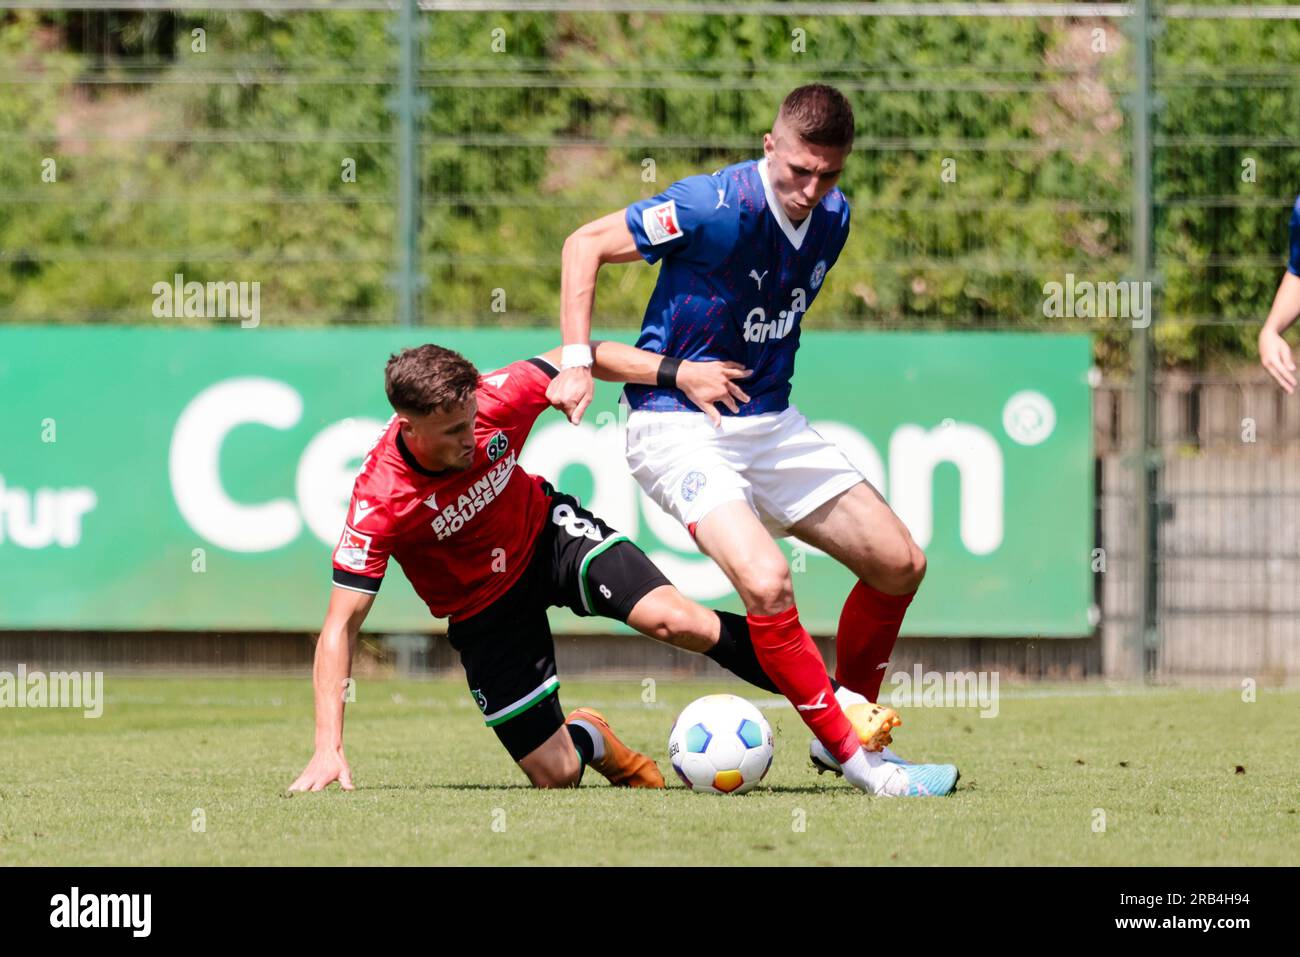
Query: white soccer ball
[720,744]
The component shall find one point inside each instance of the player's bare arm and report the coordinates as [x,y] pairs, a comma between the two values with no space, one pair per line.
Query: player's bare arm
[1274,352]
[604,240]
[330,672]
[704,383]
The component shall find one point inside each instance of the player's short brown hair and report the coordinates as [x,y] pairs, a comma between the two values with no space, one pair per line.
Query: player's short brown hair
[819,114]
[429,377]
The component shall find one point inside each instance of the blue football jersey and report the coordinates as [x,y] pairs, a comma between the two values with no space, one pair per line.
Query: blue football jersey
[736,280]
[1293,261]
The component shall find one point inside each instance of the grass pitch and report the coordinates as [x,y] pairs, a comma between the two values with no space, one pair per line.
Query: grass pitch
[193,772]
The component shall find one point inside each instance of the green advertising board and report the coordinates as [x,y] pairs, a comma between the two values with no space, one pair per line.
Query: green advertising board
[197,479]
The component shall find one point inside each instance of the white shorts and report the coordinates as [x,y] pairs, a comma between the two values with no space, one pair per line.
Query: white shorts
[775,461]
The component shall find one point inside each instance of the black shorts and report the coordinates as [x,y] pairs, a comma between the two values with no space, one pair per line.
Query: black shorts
[509,657]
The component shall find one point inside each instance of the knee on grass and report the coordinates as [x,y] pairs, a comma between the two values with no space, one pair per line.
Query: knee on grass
[562,771]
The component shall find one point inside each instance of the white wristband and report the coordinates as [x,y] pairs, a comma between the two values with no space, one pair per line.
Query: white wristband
[578,354]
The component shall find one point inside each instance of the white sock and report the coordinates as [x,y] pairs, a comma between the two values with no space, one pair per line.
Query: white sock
[873,774]
[846,697]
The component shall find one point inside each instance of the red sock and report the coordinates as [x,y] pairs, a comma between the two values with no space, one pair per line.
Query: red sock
[787,653]
[868,630]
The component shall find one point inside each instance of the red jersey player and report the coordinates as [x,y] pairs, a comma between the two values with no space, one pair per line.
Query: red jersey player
[491,547]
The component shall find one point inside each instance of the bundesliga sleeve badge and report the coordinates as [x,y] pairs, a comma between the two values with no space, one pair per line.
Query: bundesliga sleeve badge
[353,550]
[660,222]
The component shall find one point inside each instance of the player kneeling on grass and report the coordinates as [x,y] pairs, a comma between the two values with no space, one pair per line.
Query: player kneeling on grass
[491,547]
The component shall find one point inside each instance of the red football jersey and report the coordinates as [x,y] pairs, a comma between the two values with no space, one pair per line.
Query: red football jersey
[462,538]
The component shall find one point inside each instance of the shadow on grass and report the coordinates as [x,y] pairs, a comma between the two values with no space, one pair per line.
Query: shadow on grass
[776,791]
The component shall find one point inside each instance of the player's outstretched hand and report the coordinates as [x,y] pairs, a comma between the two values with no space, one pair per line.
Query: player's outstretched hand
[708,382]
[325,768]
[571,392]
[1275,356]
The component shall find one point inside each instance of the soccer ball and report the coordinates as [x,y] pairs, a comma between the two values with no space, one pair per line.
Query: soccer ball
[720,744]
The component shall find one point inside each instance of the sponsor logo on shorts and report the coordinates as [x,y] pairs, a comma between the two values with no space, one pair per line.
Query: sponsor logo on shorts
[497,446]
[660,223]
[818,274]
[691,485]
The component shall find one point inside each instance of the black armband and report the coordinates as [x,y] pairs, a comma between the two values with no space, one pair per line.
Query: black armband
[666,377]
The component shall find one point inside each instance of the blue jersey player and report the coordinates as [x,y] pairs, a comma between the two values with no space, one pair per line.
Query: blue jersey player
[1274,353]
[744,252]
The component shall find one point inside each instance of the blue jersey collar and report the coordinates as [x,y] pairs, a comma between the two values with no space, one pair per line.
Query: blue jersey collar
[793,233]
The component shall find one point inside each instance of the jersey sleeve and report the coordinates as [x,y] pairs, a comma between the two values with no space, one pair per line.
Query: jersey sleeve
[361,555]
[513,397]
[1293,261]
[695,218]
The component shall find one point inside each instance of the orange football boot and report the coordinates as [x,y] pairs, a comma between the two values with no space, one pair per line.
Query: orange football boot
[622,766]
[874,724]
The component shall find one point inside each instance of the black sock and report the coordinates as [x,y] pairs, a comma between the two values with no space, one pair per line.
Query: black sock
[582,741]
[735,652]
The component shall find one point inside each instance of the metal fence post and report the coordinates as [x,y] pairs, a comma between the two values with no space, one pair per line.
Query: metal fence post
[1143,641]
[407,104]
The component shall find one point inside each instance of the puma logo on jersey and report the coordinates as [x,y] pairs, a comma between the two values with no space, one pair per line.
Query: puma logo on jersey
[753,274]
[721,203]
[817,705]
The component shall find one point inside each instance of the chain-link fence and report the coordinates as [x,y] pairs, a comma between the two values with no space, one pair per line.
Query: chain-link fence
[378,163]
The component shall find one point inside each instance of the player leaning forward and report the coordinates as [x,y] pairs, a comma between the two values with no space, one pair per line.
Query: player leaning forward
[745,251]
[491,547]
